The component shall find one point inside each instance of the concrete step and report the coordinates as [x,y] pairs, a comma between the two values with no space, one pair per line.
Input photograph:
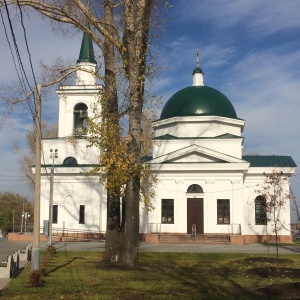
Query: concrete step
[187,239]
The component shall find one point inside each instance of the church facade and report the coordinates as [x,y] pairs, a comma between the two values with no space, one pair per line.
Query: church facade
[205,184]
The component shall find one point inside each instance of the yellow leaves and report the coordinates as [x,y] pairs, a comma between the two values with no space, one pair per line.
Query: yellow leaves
[148,182]
[117,162]
[128,139]
[114,159]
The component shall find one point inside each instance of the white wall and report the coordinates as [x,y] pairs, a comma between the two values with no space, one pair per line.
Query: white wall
[232,147]
[200,126]
[71,191]
[66,148]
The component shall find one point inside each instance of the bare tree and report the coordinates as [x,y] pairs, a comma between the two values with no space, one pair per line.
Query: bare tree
[123,27]
[12,206]
[276,194]
[26,158]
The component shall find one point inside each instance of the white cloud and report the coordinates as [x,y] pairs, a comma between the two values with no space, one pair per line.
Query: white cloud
[239,52]
[256,16]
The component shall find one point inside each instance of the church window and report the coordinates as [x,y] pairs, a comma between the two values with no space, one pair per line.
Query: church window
[195,189]
[223,211]
[70,161]
[80,119]
[81,214]
[54,214]
[260,211]
[167,210]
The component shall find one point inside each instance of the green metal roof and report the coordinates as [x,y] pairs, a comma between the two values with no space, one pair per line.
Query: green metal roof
[172,137]
[86,50]
[269,161]
[198,101]
[68,166]
[77,137]
[228,136]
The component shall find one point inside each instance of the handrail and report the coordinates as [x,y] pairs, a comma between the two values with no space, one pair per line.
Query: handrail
[236,229]
[77,233]
[194,232]
[154,227]
[159,232]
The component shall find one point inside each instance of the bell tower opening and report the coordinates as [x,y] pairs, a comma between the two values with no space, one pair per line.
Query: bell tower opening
[80,119]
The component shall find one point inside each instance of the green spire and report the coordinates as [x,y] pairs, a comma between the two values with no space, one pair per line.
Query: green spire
[86,50]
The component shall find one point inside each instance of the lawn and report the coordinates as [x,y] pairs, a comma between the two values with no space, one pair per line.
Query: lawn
[82,275]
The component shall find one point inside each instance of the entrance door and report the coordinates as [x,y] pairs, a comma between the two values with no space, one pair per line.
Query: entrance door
[195,214]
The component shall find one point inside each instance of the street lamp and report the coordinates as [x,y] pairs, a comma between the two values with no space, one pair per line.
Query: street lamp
[53,155]
[25,215]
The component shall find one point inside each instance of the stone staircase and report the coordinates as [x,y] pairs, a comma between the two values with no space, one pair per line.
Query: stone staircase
[168,238]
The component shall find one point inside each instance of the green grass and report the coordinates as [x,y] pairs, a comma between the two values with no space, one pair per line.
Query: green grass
[82,275]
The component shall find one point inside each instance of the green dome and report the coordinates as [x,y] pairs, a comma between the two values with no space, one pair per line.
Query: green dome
[198,70]
[198,101]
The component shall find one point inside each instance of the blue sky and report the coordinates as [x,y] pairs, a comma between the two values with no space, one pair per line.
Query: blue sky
[249,50]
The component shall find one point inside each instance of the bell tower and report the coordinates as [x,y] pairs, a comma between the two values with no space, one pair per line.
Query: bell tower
[76,101]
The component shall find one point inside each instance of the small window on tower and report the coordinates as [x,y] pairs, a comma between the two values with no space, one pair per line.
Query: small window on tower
[70,161]
[80,119]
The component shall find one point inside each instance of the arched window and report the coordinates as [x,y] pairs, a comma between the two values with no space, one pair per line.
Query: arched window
[260,211]
[195,189]
[70,161]
[80,119]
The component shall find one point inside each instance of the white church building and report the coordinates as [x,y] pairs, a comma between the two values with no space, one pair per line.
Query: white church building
[204,181]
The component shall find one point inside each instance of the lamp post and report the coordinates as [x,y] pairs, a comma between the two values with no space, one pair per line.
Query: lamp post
[53,155]
[25,215]
[22,222]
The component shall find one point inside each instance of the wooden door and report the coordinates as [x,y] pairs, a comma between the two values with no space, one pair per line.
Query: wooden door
[195,215]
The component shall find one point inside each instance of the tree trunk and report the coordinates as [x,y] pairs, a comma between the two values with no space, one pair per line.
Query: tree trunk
[112,245]
[136,29]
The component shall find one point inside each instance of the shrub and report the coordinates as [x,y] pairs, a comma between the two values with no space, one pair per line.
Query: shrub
[36,278]
[51,250]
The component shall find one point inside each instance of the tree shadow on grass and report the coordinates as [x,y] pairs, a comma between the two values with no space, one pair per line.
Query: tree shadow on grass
[64,265]
[267,260]
[281,291]
[290,290]
[198,280]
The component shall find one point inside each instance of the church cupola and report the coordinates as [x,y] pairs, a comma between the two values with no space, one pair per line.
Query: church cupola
[198,74]
[86,63]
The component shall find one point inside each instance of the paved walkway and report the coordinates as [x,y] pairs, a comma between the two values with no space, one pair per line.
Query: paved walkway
[200,248]
[8,247]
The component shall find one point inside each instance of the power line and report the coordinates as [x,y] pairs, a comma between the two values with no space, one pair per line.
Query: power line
[27,47]
[6,35]
[14,176]
[21,66]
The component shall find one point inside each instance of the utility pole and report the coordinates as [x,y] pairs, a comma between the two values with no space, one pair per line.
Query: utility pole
[36,251]
[53,155]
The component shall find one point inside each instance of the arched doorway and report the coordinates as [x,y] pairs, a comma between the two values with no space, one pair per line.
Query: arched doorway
[195,209]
